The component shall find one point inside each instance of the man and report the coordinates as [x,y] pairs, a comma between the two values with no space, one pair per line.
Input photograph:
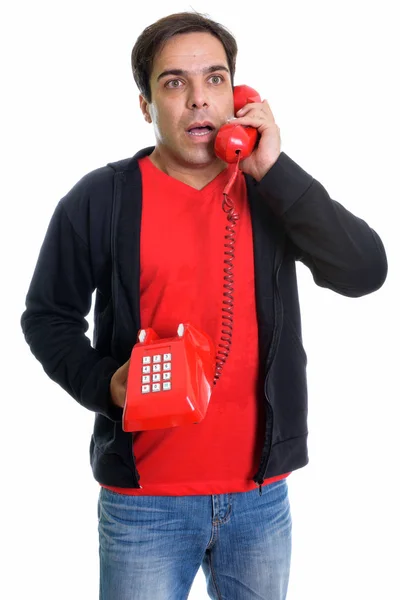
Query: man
[148,233]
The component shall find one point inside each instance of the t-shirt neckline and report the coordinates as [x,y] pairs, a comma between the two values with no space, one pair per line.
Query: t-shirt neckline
[219,180]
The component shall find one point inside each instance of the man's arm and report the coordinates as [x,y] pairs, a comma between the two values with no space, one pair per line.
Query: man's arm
[343,253]
[54,325]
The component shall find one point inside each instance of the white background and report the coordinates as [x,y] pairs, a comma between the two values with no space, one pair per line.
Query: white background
[329,71]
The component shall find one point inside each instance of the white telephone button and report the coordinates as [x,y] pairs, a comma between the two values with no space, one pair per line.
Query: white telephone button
[156,368]
[156,387]
[146,379]
[145,389]
[157,377]
[166,375]
[167,366]
[167,357]
[157,358]
[146,360]
[166,385]
[146,369]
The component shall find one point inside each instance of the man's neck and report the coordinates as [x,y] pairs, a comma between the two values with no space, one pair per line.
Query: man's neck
[196,177]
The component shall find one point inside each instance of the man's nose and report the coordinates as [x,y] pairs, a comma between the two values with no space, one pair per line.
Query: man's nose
[197,97]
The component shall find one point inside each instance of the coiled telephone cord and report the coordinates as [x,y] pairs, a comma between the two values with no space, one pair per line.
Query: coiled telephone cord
[227,310]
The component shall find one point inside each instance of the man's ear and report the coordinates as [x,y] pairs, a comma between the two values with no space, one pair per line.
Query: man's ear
[144,107]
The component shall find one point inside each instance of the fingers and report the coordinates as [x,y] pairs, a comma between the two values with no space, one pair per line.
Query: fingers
[256,115]
[256,106]
[124,371]
[118,384]
[252,120]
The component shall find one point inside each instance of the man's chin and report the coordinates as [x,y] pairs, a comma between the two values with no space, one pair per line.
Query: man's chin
[203,155]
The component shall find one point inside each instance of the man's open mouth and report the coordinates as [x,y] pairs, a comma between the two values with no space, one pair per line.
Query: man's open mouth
[200,130]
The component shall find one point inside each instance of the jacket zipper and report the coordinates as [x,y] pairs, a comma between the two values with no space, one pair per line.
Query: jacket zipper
[114,295]
[136,476]
[114,287]
[270,359]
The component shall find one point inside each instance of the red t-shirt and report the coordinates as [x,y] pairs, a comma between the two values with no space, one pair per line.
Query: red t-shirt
[181,280]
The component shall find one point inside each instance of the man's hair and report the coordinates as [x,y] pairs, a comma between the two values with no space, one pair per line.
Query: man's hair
[153,38]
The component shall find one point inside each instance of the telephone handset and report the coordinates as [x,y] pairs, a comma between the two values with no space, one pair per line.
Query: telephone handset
[233,140]
[170,380]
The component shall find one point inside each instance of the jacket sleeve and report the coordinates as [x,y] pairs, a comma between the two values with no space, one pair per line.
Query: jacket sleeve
[58,300]
[343,253]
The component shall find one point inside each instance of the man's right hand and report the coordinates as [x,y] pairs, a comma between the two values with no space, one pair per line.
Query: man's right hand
[118,385]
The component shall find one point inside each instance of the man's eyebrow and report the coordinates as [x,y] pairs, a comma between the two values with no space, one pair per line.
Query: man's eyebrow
[186,73]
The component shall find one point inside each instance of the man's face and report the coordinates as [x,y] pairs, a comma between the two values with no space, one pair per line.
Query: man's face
[197,91]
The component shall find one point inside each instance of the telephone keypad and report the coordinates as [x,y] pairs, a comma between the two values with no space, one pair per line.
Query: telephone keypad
[152,367]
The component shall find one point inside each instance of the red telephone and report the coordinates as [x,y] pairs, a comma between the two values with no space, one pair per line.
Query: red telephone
[232,140]
[169,379]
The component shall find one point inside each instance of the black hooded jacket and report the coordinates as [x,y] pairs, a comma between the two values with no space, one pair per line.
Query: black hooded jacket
[92,245]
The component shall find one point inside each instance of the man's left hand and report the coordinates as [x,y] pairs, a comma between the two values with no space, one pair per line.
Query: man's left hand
[259,116]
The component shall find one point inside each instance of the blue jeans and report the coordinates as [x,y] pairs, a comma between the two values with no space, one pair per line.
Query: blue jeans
[151,547]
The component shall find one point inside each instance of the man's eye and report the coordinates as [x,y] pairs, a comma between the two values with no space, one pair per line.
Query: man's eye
[216,77]
[173,83]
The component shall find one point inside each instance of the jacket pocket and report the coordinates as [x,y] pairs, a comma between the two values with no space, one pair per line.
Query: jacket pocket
[104,433]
